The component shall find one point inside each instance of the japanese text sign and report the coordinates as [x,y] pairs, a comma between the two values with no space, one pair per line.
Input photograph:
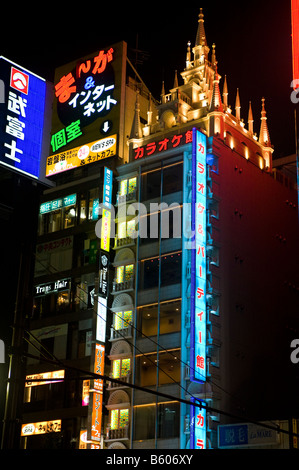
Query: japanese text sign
[199,203]
[80,156]
[87,100]
[168,143]
[22,119]
[198,426]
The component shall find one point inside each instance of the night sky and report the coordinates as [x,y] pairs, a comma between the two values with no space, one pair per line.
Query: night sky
[253,47]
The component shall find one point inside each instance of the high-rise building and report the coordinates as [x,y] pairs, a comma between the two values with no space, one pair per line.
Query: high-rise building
[93,111]
[178,281]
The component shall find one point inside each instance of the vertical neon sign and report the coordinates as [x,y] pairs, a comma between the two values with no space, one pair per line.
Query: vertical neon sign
[199,226]
[198,426]
[295,41]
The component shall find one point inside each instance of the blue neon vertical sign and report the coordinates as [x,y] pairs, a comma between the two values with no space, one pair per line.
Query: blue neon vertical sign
[198,426]
[199,225]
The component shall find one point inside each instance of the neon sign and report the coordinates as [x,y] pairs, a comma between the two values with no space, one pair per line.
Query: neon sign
[22,122]
[157,147]
[198,426]
[295,41]
[199,258]
[86,92]
[84,155]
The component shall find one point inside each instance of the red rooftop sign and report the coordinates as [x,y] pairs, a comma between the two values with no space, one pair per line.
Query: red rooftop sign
[159,146]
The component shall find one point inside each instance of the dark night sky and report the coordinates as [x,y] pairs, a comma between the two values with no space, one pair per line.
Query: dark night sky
[253,47]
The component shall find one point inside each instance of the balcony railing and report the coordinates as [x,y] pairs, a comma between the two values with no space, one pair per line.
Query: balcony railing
[125,332]
[114,385]
[122,286]
[122,199]
[117,434]
[125,241]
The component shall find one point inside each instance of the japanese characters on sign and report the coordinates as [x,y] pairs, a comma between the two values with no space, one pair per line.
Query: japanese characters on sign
[50,206]
[153,148]
[107,187]
[86,92]
[199,253]
[43,427]
[198,426]
[80,156]
[22,119]
[97,399]
[86,108]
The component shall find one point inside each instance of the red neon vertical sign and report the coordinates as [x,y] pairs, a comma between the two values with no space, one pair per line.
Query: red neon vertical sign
[295,41]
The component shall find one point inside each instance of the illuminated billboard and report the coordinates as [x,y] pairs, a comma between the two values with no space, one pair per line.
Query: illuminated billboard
[22,120]
[199,226]
[87,109]
[44,427]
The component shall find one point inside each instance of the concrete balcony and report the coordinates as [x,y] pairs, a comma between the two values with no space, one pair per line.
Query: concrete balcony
[125,286]
[121,434]
[113,385]
[122,333]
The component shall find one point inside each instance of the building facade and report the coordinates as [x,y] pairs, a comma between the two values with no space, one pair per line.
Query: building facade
[181,304]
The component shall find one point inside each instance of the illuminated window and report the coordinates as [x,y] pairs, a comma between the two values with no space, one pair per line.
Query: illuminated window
[119,418]
[123,319]
[123,188]
[128,186]
[129,271]
[121,368]
[114,419]
[116,369]
[122,230]
[70,216]
[124,273]
[126,229]
[123,418]
[93,203]
[132,185]
[130,228]
[120,274]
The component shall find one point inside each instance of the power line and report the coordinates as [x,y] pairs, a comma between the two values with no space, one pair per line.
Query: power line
[200,404]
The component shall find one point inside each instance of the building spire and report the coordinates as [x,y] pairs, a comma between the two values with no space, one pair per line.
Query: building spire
[176,83]
[238,106]
[225,93]
[264,137]
[216,102]
[250,119]
[136,131]
[188,55]
[201,39]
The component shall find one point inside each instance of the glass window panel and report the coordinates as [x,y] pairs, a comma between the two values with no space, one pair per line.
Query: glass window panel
[118,322]
[123,188]
[69,216]
[114,419]
[120,274]
[122,230]
[123,418]
[173,179]
[132,184]
[128,318]
[116,369]
[125,367]
[129,272]
[130,227]
[83,209]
